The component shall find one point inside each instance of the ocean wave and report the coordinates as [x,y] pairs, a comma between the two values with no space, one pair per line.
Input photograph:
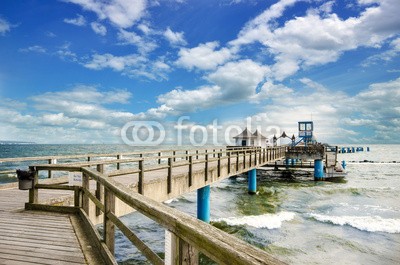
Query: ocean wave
[171,200]
[269,221]
[365,223]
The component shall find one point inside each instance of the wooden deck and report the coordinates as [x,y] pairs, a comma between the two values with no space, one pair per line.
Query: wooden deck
[138,183]
[32,237]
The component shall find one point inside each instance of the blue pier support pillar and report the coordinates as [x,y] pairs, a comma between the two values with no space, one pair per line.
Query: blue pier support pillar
[252,179]
[318,169]
[203,204]
[287,162]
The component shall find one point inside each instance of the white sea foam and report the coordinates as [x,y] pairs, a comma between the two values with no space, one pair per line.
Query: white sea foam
[365,223]
[170,201]
[270,221]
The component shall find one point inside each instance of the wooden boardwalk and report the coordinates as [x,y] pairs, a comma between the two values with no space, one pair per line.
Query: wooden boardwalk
[108,188]
[31,237]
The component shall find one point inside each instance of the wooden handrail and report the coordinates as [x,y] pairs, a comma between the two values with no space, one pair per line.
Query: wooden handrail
[216,244]
[221,247]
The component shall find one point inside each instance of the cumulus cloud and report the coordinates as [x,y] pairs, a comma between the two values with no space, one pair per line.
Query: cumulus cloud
[144,44]
[342,119]
[328,36]
[386,56]
[117,63]
[238,80]
[86,94]
[5,26]
[204,57]
[121,13]
[80,114]
[186,101]
[78,21]
[133,65]
[99,28]
[174,38]
[231,83]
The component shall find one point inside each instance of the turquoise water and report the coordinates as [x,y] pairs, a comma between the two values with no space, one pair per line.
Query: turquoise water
[299,221]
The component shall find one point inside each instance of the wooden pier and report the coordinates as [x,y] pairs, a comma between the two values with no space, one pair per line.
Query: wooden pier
[110,188]
[33,237]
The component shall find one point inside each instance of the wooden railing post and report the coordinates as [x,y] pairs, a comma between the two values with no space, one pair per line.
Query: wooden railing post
[250,158]
[77,196]
[109,227]
[244,159]
[187,154]
[206,167]
[190,171]
[174,154]
[51,161]
[34,192]
[237,161]
[159,155]
[169,177]
[197,154]
[85,198]
[141,175]
[99,189]
[219,164]
[229,161]
[178,251]
[187,254]
[118,164]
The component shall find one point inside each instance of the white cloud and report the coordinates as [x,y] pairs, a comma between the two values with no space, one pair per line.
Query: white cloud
[174,38]
[270,90]
[233,82]
[122,13]
[327,35]
[238,80]
[145,28]
[133,65]
[117,63]
[35,48]
[385,56]
[5,26]
[86,94]
[186,101]
[78,21]
[99,28]
[65,53]
[205,56]
[343,118]
[144,45]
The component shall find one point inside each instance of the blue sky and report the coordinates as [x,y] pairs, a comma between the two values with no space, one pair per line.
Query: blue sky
[78,71]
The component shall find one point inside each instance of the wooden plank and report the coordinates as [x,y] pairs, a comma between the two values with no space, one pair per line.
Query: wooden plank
[109,227]
[48,260]
[38,250]
[28,253]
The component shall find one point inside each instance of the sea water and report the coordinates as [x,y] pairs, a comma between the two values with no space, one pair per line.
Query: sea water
[299,221]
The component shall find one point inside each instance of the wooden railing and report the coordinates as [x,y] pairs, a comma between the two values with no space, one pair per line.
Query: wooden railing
[62,159]
[187,232]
